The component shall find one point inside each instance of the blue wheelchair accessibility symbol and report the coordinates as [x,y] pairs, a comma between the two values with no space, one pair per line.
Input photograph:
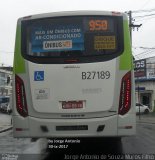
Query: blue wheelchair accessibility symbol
[38,75]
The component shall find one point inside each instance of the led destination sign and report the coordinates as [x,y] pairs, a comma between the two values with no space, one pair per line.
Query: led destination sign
[104,42]
[98,25]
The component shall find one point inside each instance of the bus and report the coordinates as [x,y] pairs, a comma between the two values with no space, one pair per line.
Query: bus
[73,76]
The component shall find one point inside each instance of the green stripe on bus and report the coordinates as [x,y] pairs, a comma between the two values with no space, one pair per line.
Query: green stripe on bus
[126,57]
[19,64]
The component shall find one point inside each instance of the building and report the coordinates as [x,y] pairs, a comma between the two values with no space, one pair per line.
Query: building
[5,81]
[145,81]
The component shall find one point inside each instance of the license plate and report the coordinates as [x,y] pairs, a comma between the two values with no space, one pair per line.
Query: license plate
[72,105]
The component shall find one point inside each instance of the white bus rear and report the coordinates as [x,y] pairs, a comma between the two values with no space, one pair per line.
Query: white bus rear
[75,77]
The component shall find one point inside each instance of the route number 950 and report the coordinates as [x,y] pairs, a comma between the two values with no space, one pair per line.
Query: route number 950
[98,25]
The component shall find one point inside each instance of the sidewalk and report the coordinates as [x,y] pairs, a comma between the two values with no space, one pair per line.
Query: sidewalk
[5,122]
[148,118]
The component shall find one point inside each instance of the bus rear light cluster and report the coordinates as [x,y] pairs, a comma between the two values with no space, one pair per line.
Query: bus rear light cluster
[125,94]
[21,103]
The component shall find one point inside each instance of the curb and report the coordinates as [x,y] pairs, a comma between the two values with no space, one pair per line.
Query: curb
[7,129]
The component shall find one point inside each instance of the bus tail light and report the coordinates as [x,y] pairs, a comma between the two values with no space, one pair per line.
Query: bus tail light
[21,103]
[125,94]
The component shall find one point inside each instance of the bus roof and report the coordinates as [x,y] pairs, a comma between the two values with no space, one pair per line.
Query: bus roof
[74,13]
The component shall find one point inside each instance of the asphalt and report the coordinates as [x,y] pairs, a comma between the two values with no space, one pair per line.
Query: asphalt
[5,122]
[149,119]
[146,118]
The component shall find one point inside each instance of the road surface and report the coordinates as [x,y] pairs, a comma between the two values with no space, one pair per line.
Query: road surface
[142,143]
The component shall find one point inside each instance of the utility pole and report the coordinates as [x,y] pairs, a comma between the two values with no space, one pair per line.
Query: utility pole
[132,26]
[130,23]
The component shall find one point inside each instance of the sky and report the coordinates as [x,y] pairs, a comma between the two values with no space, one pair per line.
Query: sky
[143,40]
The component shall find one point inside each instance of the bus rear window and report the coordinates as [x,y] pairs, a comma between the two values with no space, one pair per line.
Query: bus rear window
[85,38]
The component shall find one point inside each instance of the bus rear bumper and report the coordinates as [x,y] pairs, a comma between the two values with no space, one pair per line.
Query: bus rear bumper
[95,127]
